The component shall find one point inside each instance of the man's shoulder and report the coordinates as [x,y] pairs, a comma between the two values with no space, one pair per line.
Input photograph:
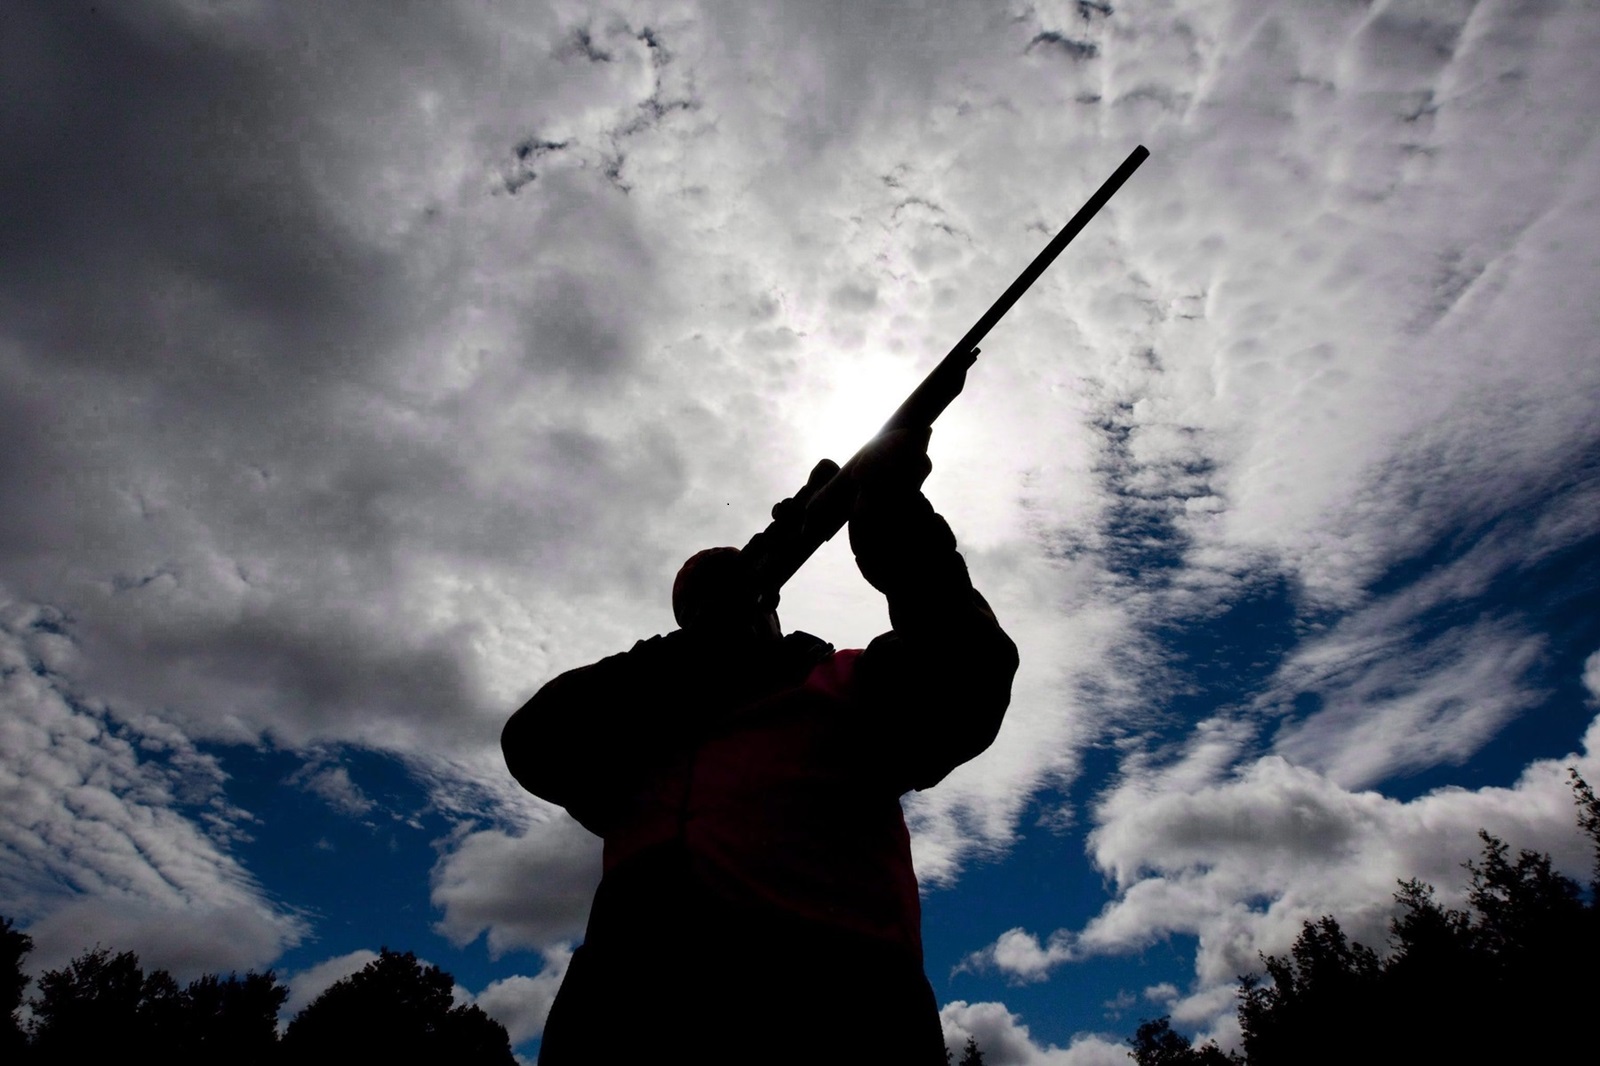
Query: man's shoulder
[802,645]
[795,656]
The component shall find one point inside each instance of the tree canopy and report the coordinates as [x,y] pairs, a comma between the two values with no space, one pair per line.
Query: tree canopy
[1508,979]
[103,1007]
[1155,1044]
[397,1010]
[14,947]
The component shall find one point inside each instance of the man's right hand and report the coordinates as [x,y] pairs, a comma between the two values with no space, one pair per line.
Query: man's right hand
[895,462]
[899,541]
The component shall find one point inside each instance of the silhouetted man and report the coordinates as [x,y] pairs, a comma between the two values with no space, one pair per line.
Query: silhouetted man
[758,903]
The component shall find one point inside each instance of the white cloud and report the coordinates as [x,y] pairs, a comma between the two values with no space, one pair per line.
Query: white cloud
[417,442]
[311,982]
[522,1003]
[1005,1040]
[1591,675]
[529,890]
[1404,705]
[185,937]
[1018,954]
[1241,859]
[1165,992]
[333,784]
[99,843]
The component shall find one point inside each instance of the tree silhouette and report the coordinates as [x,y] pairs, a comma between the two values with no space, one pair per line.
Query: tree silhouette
[14,946]
[1325,982]
[396,1011]
[1155,1044]
[1509,955]
[232,1020]
[1508,979]
[1588,821]
[971,1055]
[104,1006]
[89,1010]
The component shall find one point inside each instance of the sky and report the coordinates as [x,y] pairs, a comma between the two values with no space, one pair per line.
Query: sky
[365,365]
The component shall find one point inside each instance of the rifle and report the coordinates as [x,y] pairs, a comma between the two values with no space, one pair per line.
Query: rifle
[821,508]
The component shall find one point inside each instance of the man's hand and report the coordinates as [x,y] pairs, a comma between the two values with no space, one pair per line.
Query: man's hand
[895,462]
[898,540]
[792,510]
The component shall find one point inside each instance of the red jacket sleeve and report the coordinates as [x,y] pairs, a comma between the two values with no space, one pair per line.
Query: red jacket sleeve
[939,683]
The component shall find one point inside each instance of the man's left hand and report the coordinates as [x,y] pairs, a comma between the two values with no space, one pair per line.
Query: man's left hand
[895,462]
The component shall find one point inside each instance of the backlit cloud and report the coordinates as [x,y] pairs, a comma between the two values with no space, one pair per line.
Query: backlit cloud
[362,370]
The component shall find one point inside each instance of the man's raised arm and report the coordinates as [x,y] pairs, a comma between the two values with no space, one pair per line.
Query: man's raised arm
[942,676]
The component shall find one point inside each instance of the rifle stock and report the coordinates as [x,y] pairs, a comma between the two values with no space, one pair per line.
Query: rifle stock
[823,505]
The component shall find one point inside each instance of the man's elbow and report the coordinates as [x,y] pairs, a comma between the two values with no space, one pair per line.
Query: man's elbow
[994,664]
[988,694]
[532,750]
[974,706]
[518,746]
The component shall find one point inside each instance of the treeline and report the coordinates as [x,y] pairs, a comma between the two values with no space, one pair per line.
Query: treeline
[103,1007]
[1510,979]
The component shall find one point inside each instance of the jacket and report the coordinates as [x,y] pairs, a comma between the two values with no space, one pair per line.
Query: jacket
[749,793]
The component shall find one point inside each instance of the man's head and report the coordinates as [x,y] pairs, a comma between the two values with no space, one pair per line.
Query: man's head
[714,591]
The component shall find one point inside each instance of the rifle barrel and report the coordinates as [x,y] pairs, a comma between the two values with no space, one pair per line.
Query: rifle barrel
[1043,260]
[966,347]
[784,550]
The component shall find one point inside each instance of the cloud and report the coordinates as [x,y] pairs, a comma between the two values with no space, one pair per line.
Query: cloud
[1306,382]
[1005,1040]
[1260,423]
[185,938]
[116,830]
[314,980]
[333,784]
[521,1003]
[472,490]
[527,890]
[1401,501]
[277,495]
[1019,955]
[1399,704]
[1165,992]
[351,390]
[1239,857]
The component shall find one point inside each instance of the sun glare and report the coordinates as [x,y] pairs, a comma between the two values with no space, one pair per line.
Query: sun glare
[854,402]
